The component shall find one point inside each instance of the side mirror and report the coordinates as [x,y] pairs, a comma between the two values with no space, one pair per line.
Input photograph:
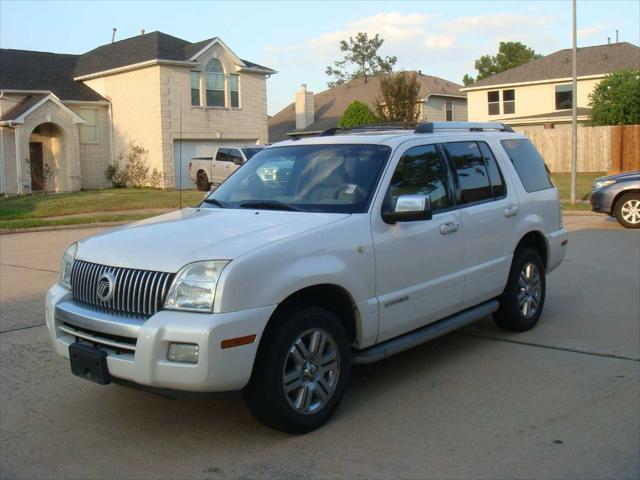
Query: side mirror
[238,160]
[409,208]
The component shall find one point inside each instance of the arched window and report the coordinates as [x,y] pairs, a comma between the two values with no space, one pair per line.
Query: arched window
[215,83]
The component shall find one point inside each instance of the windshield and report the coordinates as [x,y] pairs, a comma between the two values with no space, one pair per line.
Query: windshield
[250,152]
[309,178]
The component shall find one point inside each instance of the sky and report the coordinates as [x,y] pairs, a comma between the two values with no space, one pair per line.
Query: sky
[300,38]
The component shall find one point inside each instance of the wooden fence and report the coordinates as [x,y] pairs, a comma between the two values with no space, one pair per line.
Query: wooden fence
[600,149]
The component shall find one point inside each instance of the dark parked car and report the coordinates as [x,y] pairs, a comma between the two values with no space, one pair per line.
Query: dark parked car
[618,196]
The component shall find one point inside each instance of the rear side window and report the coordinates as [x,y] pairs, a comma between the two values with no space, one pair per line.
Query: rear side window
[420,172]
[234,155]
[528,164]
[495,175]
[222,155]
[473,178]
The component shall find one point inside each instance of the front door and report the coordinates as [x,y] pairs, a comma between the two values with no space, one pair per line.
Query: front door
[419,265]
[37,167]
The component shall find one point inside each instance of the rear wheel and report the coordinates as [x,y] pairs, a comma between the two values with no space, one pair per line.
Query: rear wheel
[523,299]
[627,210]
[202,182]
[301,371]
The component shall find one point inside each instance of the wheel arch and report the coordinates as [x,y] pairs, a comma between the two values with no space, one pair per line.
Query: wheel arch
[537,241]
[619,195]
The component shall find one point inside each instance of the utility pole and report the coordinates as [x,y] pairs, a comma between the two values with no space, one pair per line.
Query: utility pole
[574,112]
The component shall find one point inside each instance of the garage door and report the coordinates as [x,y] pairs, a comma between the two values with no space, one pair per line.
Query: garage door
[185,150]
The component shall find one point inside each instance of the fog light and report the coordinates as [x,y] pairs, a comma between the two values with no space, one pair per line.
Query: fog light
[183,352]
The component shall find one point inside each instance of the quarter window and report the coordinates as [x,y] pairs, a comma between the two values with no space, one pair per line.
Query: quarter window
[215,83]
[508,101]
[493,98]
[495,175]
[420,172]
[528,163]
[564,95]
[195,88]
[89,129]
[235,90]
[473,178]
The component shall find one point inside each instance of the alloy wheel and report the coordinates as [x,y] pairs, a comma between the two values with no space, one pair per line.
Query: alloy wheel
[529,290]
[631,211]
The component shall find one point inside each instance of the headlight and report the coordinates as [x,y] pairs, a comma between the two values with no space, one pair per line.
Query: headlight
[64,277]
[602,183]
[194,287]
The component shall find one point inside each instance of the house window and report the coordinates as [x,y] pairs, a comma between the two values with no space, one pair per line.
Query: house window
[494,102]
[215,84]
[89,129]
[235,92]
[564,95]
[449,110]
[195,88]
[508,101]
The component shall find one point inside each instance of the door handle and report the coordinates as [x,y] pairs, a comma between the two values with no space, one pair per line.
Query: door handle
[511,211]
[449,227]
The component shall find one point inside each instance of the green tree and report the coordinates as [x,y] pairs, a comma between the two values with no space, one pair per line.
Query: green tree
[361,57]
[616,99]
[398,100]
[510,55]
[357,113]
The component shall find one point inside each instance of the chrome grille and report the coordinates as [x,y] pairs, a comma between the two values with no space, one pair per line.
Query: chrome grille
[137,292]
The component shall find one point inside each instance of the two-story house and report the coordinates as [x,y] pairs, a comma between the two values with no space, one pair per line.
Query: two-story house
[440,100]
[538,94]
[74,115]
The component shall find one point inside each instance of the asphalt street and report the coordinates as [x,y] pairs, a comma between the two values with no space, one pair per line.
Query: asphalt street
[560,401]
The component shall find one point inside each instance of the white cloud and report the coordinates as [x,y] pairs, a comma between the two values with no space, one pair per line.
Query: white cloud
[587,32]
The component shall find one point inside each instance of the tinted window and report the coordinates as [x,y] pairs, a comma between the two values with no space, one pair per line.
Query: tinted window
[234,155]
[528,163]
[495,175]
[420,172]
[473,178]
[222,155]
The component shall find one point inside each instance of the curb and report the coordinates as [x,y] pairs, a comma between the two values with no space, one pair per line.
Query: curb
[10,231]
[581,213]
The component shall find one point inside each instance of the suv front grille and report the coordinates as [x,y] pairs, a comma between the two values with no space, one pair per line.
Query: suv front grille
[136,292]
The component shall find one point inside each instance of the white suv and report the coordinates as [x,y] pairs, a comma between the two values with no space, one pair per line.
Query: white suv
[319,253]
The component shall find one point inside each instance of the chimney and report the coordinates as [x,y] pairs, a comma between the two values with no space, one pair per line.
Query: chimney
[113,35]
[304,108]
[616,35]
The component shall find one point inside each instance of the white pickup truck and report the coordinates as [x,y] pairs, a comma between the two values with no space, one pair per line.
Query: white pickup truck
[205,171]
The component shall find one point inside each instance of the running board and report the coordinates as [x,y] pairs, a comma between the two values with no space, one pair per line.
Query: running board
[424,334]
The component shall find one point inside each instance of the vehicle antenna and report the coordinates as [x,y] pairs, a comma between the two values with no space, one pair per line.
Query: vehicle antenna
[180,162]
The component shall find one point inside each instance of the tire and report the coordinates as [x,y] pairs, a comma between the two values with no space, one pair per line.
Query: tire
[280,366]
[627,210]
[202,182]
[522,301]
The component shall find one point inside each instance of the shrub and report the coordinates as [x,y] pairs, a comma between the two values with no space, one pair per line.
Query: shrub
[135,172]
[357,113]
[616,99]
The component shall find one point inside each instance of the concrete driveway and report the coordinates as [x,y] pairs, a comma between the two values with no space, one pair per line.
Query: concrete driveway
[561,401]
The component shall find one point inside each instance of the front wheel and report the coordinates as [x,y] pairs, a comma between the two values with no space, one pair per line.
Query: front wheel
[627,210]
[523,299]
[202,182]
[301,371]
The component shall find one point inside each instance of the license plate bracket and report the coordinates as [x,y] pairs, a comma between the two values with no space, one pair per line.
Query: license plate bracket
[89,363]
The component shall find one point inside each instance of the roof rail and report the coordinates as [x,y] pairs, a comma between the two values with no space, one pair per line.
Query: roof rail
[372,127]
[431,127]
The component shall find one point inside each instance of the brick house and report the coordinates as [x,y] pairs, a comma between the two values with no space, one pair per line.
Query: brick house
[440,100]
[78,113]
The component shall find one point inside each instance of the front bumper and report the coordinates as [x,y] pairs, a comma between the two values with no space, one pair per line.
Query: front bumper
[557,242]
[601,200]
[144,361]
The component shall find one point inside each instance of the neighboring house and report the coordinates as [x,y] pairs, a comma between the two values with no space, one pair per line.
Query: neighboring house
[440,100]
[78,113]
[538,94]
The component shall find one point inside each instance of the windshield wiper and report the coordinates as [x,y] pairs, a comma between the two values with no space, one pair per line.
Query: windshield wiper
[269,205]
[215,202]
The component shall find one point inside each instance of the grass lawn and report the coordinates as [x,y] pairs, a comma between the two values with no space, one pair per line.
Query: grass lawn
[583,189]
[116,204]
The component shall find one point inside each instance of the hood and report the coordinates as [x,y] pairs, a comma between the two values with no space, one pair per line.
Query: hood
[620,176]
[168,242]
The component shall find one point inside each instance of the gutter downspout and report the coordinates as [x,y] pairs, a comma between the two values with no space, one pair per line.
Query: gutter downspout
[111,160]
[18,162]
[1,156]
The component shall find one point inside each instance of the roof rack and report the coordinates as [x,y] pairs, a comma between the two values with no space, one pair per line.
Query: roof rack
[431,127]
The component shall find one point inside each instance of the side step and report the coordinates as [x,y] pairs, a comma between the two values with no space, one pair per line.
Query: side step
[424,334]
